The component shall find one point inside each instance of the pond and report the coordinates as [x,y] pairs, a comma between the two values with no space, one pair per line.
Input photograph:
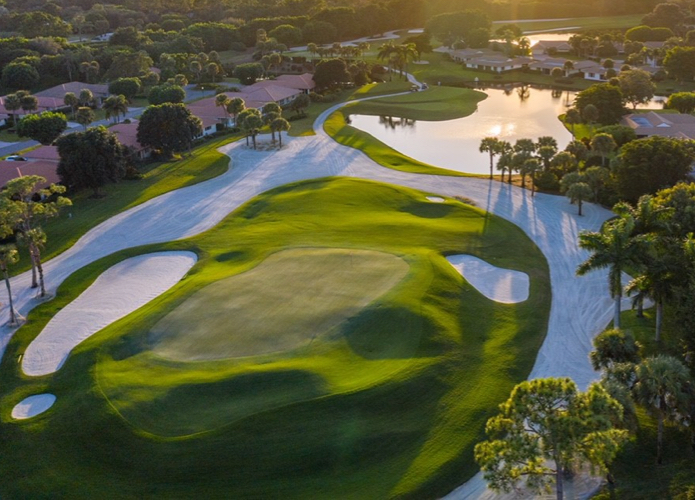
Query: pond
[509,114]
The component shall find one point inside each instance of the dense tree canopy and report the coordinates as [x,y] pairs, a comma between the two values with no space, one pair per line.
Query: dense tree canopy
[169,128]
[651,164]
[331,72]
[457,25]
[607,99]
[680,63]
[44,128]
[91,159]
[19,76]
[160,94]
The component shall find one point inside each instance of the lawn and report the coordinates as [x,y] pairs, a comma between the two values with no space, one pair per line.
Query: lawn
[204,163]
[386,403]
[437,103]
[584,23]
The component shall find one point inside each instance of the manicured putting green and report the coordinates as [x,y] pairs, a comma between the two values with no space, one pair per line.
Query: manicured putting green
[289,300]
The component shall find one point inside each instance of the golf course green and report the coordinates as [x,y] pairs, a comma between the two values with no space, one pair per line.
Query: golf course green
[321,347]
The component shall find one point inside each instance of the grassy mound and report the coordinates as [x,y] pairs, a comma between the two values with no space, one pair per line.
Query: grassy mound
[389,406]
[287,301]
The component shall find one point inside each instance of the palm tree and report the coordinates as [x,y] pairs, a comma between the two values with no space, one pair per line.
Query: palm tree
[114,106]
[70,99]
[492,146]
[28,101]
[504,164]
[567,67]
[662,387]
[404,53]
[8,257]
[579,191]
[86,97]
[212,69]
[222,101]
[312,48]
[530,167]
[12,102]
[275,61]
[84,116]
[385,52]
[251,122]
[615,248]
[362,47]
[603,144]
[196,68]
[235,106]
[280,125]
[573,117]
[35,239]
[613,347]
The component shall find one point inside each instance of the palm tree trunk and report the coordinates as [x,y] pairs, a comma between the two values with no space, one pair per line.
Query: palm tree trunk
[34,282]
[579,203]
[616,311]
[559,487]
[253,137]
[39,267]
[13,316]
[640,307]
[280,138]
[659,436]
[659,319]
[491,160]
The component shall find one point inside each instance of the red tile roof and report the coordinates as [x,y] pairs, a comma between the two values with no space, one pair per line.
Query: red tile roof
[12,169]
[49,153]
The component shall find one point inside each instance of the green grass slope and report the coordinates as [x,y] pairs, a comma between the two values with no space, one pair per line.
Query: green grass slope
[387,404]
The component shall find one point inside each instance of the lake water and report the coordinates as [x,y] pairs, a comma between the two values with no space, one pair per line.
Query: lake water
[453,144]
[511,114]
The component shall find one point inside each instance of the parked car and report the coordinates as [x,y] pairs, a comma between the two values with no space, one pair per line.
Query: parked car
[15,158]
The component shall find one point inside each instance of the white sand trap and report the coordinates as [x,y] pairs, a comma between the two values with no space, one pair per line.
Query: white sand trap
[500,285]
[436,199]
[117,292]
[32,406]
[421,62]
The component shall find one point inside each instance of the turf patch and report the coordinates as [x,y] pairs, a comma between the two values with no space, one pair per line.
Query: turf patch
[290,300]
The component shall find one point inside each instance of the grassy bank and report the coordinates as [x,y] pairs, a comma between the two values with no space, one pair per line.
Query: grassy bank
[443,103]
[387,404]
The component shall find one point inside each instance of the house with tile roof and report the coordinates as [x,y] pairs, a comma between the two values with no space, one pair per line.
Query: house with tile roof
[127,134]
[680,126]
[100,92]
[12,169]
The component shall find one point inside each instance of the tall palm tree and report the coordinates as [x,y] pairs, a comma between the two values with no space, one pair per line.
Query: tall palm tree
[579,192]
[235,106]
[567,67]
[530,167]
[86,98]
[8,257]
[222,101]
[12,102]
[492,146]
[504,164]
[615,248]
[114,106]
[603,144]
[196,68]
[573,117]
[385,53]
[280,125]
[70,99]
[662,387]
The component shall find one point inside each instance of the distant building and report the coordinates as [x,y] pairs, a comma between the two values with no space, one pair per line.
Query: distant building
[127,134]
[100,92]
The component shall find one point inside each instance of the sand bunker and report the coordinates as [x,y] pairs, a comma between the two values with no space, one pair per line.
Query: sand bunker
[32,406]
[435,199]
[120,290]
[500,285]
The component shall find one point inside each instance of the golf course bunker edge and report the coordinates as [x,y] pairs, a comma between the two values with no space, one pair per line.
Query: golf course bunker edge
[285,302]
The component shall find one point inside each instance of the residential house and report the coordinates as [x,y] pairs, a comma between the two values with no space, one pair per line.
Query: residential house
[497,64]
[12,169]
[551,47]
[100,92]
[127,134]
[680,126]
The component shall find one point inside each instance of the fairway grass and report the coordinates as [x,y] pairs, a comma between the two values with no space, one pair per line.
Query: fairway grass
[389,404]
[289,300]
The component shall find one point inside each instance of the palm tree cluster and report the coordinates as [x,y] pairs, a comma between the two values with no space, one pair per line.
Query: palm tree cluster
[660,384]
[397,56]
[252,120]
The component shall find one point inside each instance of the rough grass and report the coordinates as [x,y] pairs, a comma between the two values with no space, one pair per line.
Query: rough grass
[436,104]
[391,409]
[290,300]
